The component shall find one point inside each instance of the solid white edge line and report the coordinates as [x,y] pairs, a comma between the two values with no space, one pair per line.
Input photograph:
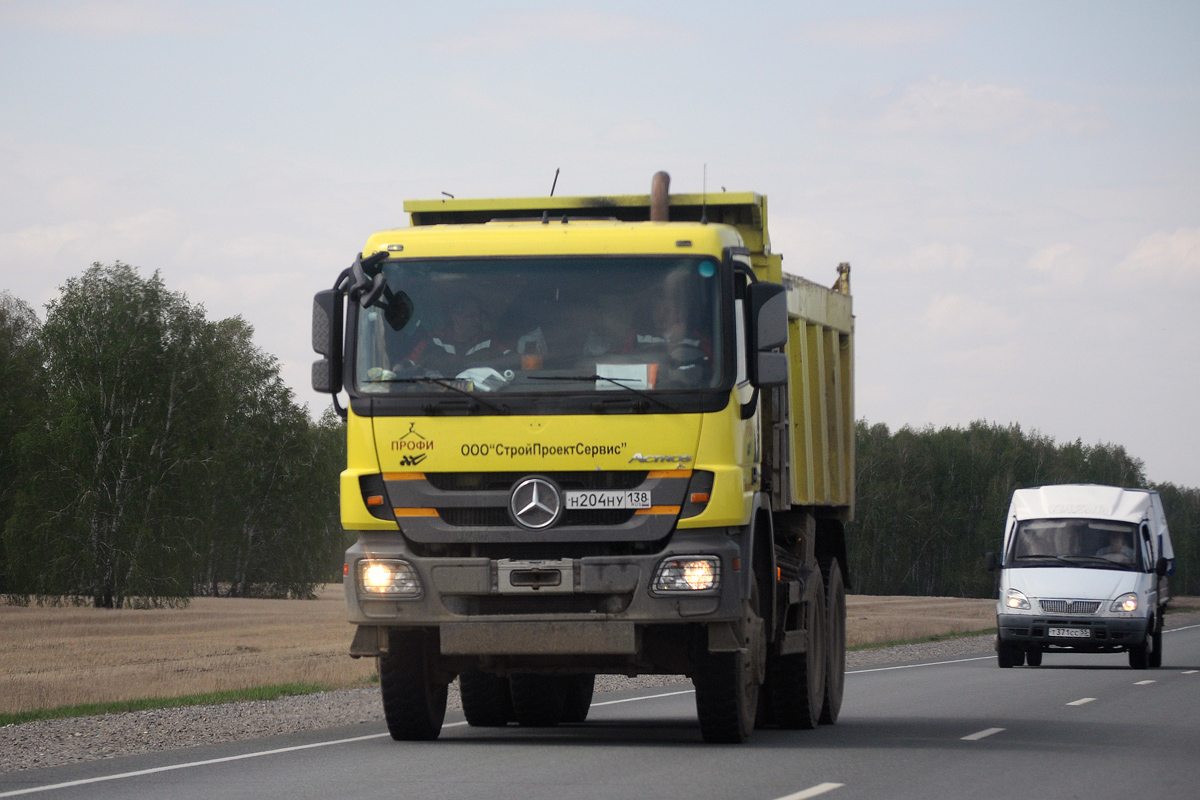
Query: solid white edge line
[812,791]
[983,734]
[647,697]
[1081,701]
[186,765]
[914,666]
[1184,628]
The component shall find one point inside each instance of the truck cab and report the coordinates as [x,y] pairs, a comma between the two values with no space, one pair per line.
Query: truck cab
[1084,568]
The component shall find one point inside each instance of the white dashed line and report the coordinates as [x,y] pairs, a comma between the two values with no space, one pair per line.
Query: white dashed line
[983,734]
[1144,683]
[812,791]
[1190,671]
[1081,701]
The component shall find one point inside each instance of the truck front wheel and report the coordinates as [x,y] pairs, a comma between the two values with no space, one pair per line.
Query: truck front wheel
[577,700]
[414,696]
[486,699]
[538,700]
[727,684]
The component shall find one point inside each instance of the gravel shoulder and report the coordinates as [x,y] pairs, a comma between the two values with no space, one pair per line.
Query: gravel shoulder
[49,743]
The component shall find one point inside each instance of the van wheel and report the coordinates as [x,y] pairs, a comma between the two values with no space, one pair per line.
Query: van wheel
[577,700]
[1033,656]
[1139,656]
[1156,645]
[414,697]
[1009,654]
[537,700]
[486,699]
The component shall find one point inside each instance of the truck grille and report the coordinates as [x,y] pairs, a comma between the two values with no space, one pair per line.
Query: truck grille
[592,480]
[498,517]
[1069,606]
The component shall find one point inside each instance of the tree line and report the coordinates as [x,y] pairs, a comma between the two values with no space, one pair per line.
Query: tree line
[931,502]
[149,454]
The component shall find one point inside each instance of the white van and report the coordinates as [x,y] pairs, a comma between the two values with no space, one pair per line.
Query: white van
[1084,568]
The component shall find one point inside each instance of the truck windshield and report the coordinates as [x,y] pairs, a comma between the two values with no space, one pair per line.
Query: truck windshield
[1104,544]
[546,325]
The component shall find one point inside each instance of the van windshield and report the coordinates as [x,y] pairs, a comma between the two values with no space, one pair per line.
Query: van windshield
[546,325]
[1098,543]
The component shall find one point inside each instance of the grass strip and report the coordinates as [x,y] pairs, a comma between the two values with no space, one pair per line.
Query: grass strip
[941,637]
[151,703]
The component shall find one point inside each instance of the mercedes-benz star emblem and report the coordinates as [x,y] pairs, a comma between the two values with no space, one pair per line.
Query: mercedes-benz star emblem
[535,503]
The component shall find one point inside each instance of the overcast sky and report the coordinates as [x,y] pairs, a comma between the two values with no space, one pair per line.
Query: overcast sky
[1017,185]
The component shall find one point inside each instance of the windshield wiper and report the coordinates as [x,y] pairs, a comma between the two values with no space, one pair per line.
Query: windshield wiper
[614,381]
[449,384]
[1101,561]
[1059,559]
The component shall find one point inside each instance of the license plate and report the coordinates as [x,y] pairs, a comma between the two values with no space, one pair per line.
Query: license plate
[1071,633]
[608,499]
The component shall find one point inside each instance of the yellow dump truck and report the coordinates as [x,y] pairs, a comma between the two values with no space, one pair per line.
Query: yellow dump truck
[593,435]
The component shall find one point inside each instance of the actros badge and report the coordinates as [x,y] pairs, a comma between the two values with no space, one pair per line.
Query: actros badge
[535,504]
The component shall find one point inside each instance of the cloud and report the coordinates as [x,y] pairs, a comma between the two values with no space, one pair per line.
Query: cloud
[879,32]
[937,256]
[1063,263]
[87,240]
[110,19]
[513,33]
[1170,257]
[966,317]
[937,106]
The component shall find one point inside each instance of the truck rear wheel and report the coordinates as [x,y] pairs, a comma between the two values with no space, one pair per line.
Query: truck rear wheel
[414,696]
[835,641]
[727,684]
[577,698]
[486,699]
[537,700]
[796,682]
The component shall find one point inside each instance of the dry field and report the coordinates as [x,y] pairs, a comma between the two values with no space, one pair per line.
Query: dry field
[67,656]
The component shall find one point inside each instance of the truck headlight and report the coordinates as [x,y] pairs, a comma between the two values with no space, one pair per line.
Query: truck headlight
[391,577]
[1015,599]
[1126,602]
[688,574]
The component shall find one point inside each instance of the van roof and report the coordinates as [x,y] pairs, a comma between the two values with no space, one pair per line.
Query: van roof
[1083,500]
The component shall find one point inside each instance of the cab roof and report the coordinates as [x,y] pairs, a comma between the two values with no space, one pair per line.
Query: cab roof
[1083,500]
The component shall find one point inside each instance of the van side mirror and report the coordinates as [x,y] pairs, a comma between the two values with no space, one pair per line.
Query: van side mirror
[327,341]
[1161,567]
[991,562]
[768,329]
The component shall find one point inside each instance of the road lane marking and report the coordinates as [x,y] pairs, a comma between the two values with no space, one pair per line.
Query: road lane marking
[647,697]
[914,666]
[812,791]
[1184,628]
[1081,701]
[983,734]
[1144,683]
[1190,671]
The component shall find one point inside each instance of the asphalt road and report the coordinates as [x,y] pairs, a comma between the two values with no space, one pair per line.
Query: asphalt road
[1079,726]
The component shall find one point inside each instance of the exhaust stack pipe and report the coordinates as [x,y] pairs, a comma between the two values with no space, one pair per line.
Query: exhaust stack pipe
[660,186]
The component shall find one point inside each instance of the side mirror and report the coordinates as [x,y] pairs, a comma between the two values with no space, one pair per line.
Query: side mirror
[991,562]
[327,341]
[1161,567]
[768,329]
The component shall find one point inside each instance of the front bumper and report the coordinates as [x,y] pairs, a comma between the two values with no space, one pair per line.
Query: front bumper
[606,611]
[1104,633]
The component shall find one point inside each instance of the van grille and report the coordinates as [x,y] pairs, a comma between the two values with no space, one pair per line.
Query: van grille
[1069,606]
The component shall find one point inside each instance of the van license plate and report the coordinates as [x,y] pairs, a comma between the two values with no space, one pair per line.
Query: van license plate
[1071,633]
[608,499]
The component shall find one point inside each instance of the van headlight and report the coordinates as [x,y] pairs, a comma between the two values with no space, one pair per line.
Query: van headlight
[1126,602]
[1015,599]
[391,577]
[688,574]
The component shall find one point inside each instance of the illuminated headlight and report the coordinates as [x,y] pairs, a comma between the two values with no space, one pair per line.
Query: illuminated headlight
[390,578]
[689,574]
[1126,602]
[1015,599]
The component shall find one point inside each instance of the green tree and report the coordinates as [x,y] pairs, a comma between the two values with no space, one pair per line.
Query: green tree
[21,395]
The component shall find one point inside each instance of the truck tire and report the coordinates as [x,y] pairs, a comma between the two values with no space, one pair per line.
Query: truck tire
[537,700]
[1009,655]
[486,699]
[796,682]
[727,684]
[414,698]
[1033,656]
[835,641]
[577,696]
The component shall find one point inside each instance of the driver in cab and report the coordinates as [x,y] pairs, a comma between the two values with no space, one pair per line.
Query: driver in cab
[463,343]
